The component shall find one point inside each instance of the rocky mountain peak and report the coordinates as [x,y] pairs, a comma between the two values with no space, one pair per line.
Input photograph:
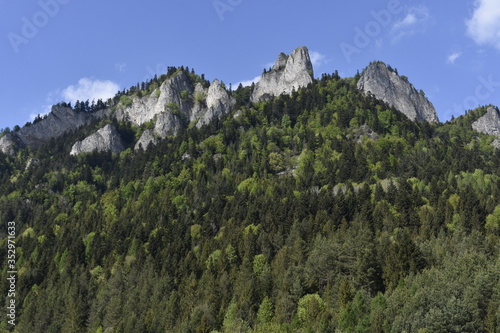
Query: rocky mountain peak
[288,73]
[172,91]
[105,139]
[489,123]
[280,62]
[60,120]
[218,103]
[387,85]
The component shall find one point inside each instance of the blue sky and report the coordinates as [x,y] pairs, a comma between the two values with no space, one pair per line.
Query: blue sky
[54,50]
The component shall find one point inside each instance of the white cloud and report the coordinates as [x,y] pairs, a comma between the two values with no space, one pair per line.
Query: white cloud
[317,58]
[484,25]
[89,89]
[416,20]
[453,57]
[247,83]
[409,20]
[86,89]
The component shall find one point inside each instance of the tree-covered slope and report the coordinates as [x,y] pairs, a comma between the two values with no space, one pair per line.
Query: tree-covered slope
[322,211]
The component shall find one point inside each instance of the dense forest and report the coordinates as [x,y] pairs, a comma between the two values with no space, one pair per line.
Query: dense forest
[322,211]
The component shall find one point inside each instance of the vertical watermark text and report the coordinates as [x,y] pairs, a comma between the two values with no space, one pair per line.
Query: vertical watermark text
[11,273]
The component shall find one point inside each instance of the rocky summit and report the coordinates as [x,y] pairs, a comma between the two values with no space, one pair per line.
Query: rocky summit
[182,99]
[177,90]
[290,72]
[386,84]
[218,103]
[178,101]
[489,123]
[105,139]
[60,120]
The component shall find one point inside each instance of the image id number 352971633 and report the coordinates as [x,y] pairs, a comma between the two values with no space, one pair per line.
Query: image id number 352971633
[12,273]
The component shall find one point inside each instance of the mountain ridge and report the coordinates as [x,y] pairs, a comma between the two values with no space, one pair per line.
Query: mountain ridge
[184,98]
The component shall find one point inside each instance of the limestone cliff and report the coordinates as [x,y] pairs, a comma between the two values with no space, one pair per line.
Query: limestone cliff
[178,90]
[60,120]
[105,139]
[218,103]
[10,143]
[180,100]
[288,73]
[385,84]
[489,123]
[146,138]
[196,104]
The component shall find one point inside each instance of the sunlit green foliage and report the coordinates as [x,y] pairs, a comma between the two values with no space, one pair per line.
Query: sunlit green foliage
[284,216]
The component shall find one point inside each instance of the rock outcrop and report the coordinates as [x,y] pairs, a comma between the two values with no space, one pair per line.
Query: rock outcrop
[288,73]
[105,139]
[385,84]
[180,100]
[364,131]
[166,124]
[60,120]
[178,91]
[146,138]
[10,143]
[32,163]
[176,103]
[489,123]
[218,103]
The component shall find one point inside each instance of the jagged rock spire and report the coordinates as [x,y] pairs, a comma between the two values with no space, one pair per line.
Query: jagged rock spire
[288,73]
[385,84]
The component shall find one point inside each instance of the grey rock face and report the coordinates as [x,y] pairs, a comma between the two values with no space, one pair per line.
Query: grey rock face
[363,131]
[146,138]
[280,62]
[388,86]
[10,143]
[59,121]
[288,73]
[489,123]
[32,163]
[177,102]
[167,124]
[105,139]
[177,90]
[218,103]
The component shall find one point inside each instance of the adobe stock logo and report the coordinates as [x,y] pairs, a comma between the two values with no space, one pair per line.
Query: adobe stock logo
[158,70]
[223,6]
[486,88]
[363,37]
[30,28]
